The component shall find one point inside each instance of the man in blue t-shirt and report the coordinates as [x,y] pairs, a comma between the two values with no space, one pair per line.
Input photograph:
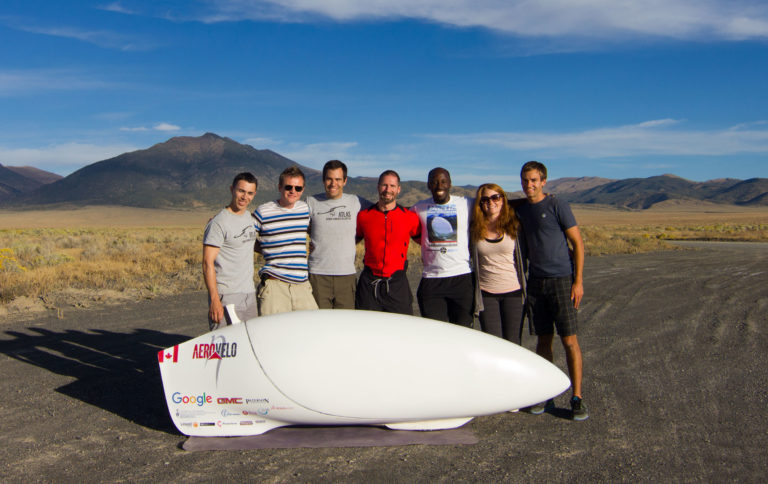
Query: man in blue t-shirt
[555,285]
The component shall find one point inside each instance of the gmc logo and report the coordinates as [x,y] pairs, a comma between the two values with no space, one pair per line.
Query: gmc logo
[225,401]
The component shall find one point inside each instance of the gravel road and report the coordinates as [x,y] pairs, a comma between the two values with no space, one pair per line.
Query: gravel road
[675,379]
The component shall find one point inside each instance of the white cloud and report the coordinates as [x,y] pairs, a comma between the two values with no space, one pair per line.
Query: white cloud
[117,7]
[261,143]
[316,154]
[158,127]
[61,158]
[658,123]
[108,39]
[166,127]
[647,138]
[22,81]
[593,19]
[101,38]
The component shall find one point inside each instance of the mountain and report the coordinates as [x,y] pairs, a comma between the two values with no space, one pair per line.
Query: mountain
[189,172]
[42,176]
[748,192]
[183,172]
[571,185]
[642,193]
[18,180]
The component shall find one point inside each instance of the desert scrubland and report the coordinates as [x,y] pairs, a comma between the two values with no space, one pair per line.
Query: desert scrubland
[674,376]
[81,257]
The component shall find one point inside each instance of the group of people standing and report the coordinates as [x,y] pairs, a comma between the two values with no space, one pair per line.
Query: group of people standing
[489,258]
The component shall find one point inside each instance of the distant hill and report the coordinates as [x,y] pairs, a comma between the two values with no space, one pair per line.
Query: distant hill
[18,180]
[36,174]
[183,172]
[642,193]
[190,172]
[571,185]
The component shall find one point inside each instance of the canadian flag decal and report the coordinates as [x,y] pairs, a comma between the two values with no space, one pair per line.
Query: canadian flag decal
[167,355]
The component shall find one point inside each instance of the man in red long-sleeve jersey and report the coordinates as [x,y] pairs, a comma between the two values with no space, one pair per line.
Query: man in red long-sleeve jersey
[387,229]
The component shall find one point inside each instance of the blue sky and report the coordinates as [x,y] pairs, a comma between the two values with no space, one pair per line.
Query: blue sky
[611,88]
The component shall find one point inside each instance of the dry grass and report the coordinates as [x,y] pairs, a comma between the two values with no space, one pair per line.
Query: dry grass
[132,263]
[612,231]
[56,266]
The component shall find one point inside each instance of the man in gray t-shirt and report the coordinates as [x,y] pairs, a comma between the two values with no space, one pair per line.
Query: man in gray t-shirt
[333,218]
[228,245]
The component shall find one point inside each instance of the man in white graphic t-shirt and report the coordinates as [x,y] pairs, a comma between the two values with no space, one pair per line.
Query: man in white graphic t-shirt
[446,290]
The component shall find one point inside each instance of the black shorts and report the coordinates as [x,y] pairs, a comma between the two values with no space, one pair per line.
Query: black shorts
[389,294]
[549,299]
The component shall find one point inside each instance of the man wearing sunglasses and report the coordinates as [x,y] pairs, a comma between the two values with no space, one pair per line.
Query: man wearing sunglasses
[282,227]
[555,286]
[446,290]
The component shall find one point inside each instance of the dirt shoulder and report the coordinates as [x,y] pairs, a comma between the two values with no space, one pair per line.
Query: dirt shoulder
[674,377]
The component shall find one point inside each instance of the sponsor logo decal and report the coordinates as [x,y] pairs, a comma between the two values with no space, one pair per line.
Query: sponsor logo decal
[192,413]
[257,400]
[226,413]
[246,422]
[214,351]
[170,355]
[227,401]
[198,400]
[207,424]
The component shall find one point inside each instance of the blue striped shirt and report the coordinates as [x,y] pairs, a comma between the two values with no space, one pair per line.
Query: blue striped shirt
[283,240]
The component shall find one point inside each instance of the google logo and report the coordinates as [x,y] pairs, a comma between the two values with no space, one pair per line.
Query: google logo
[199,400]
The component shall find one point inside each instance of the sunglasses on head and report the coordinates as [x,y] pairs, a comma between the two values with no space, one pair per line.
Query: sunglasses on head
[493,198]
[298,188]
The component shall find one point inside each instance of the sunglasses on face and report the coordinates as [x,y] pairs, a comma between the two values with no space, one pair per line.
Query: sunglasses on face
[298,188]
[493,198]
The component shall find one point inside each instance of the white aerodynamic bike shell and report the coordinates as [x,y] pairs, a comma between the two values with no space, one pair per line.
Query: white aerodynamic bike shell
[336,367]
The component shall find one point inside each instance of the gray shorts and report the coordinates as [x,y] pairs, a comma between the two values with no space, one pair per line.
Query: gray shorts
[245,307]
[549,299]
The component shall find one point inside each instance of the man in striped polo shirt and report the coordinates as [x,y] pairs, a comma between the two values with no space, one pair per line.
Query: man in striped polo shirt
[282,226]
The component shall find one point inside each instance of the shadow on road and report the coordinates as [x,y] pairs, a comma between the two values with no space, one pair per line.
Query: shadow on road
[114,371]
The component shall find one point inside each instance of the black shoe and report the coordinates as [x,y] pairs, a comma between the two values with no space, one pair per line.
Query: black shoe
[542,407]
[579,409]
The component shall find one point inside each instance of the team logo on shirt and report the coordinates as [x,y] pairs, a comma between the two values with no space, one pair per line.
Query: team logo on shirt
[336,213]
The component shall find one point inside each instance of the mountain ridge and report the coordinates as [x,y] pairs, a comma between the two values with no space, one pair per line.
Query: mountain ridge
[195,172]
